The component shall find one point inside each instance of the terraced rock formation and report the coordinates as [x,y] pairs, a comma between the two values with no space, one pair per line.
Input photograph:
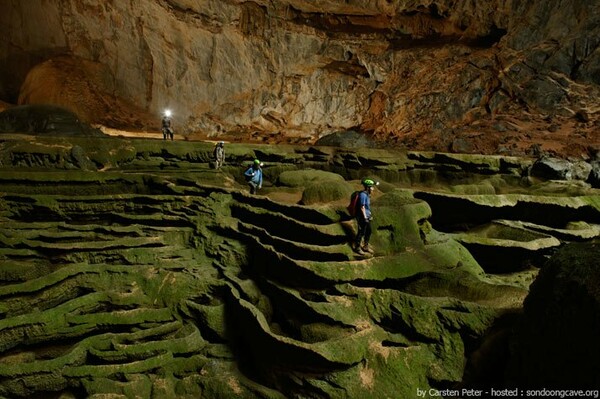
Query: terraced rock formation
[149,274]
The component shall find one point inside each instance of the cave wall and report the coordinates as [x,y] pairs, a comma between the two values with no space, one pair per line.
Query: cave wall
[387,67]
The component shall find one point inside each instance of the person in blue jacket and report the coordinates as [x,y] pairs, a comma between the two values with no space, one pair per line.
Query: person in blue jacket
[364,217]
[254,176]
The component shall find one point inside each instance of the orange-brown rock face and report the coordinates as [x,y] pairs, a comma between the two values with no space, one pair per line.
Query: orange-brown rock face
[464,76]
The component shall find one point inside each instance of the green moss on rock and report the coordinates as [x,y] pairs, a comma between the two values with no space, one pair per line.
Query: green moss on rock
[325,191]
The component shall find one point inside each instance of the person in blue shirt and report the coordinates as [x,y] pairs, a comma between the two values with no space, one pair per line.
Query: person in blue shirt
[254,176]
[364,217]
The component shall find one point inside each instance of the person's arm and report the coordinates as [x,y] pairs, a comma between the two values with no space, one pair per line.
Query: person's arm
[260,179]
[248,172]
[363,205]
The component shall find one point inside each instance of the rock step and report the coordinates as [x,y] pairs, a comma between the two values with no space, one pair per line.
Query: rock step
[268,263]
[286,351]
[77,317]
[579,231]
[290,229]
[166,211]
[170,346]
[299,251]
[450,209]
[303,214]
[504,247]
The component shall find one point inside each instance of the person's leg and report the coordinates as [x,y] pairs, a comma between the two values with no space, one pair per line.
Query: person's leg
[252,187]
[366,247]
[362,225]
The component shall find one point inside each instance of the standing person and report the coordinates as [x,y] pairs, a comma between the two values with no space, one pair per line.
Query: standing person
[254,176]
[364,217]
[167,130]
[219,154]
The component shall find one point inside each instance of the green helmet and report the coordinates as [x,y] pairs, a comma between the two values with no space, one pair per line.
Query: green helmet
[369,183]
[256,162]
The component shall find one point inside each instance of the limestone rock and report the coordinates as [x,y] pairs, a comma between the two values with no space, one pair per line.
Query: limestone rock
[563,306]
[162,278]
[349,139]
[416,73]
[44,119]
[594,178]
[505,247]
[553,168]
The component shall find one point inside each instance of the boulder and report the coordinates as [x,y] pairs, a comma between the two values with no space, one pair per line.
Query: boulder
[560,169]
[552,168]
[556,344]
[581,170]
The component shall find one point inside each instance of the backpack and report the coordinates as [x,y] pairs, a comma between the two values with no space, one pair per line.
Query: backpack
[353,205]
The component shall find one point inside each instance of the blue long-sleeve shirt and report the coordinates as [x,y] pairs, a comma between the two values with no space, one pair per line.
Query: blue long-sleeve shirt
[364,200]
[254,176]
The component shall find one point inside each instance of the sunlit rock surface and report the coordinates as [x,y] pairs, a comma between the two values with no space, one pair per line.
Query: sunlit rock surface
[478,77]
[154,275]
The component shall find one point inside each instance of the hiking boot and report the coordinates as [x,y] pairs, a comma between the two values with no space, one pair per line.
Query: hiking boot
[356,248]
[367,248]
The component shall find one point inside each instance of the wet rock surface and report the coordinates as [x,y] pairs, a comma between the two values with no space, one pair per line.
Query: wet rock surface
[154,273]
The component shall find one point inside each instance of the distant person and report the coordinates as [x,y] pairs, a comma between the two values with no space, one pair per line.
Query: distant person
[364,217]
[219,154]
[254,176]
[167,129]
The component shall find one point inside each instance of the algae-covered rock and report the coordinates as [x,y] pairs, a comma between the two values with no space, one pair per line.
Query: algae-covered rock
[399,222]
[473,189]
[325,191]
[296,178]
[153,275]
[504,246]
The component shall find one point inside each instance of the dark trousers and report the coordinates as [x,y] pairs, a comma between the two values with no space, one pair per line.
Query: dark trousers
[253,187]
[167,132]
[364,231]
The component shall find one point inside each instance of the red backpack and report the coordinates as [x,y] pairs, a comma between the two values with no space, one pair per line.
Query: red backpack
[353,205]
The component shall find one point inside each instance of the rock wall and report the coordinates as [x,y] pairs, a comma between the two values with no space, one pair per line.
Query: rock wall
[408,69]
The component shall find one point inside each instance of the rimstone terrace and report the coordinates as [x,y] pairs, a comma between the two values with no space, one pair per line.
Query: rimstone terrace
[132,268]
